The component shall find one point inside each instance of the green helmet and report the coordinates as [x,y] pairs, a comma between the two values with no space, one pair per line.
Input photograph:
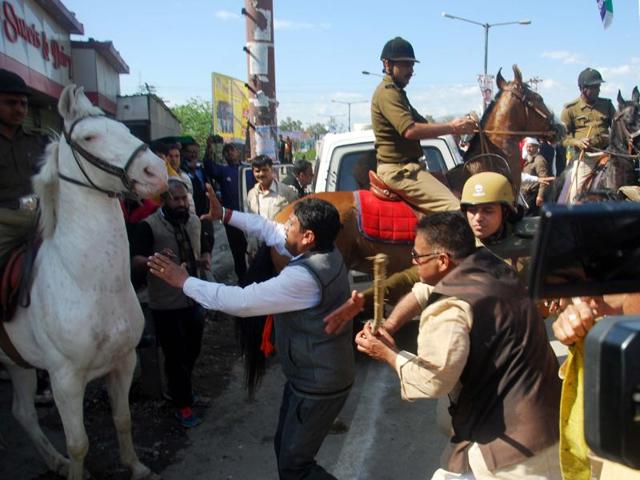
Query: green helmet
[398,50]
[589,77]
[487,187]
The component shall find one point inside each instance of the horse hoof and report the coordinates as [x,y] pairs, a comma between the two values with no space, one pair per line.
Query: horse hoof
[141,472]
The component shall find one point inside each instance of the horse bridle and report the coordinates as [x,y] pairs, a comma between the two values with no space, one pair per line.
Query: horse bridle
[630,137]
[121,173]
[529,105]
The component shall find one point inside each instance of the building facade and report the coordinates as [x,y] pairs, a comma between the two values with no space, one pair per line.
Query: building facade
[35,42]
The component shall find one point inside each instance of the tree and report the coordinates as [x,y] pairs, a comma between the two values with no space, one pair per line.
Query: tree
[289,125]
[317,130]
[195,117]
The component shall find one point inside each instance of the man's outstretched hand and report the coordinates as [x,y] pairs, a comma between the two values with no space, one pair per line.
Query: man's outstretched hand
[336,320]
[164,268]
[215,209]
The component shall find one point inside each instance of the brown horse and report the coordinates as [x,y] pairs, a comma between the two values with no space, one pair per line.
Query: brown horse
[516,112]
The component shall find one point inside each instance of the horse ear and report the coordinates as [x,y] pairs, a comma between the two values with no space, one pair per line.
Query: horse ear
[517,75]
[68,101]
[635,95]
[620,99]
[500,81]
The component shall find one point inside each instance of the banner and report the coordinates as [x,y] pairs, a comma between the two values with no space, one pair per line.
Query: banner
[230,108]
[606,11]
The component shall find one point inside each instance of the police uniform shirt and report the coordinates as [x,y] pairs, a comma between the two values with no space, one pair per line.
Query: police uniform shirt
[391,116]
[20,157]
[578,116]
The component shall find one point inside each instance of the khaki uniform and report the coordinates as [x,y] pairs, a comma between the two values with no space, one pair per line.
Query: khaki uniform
[20,157]
[579,117]
[582,121]
[398,157]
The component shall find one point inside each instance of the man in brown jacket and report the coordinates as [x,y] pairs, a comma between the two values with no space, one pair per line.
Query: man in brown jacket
[482,343]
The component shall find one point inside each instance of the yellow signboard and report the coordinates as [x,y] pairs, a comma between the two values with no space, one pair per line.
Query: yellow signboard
[230,108]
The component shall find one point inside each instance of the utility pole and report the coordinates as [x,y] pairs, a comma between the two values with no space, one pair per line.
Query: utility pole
[261,81]
[348,104]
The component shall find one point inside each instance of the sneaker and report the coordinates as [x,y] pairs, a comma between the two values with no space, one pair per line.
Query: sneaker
[43,398]
[187,418]
[201,401]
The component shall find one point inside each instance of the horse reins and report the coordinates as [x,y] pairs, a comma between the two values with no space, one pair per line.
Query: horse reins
[628,136]
[121,173]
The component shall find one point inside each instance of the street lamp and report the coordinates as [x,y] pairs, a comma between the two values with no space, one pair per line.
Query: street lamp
[486,27]
[348,104]
[364,72]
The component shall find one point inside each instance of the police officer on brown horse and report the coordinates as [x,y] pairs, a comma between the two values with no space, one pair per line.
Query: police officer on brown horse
[398,129]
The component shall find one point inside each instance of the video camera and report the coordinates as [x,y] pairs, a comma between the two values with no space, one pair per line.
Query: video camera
[594,249]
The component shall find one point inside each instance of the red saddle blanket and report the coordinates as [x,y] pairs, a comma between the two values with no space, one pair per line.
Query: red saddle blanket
[383,221]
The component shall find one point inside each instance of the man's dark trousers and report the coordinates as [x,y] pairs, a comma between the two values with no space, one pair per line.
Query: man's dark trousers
[302,427]
[238,246]
[179,332]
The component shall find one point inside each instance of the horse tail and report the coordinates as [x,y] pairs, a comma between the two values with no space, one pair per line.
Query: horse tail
[46,186]
[249,330]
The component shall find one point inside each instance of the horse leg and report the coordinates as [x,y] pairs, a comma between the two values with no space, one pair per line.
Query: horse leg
[68,392]
[24,410]
[118,385]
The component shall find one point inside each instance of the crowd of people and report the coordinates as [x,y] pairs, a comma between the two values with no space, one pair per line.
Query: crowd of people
[481,342]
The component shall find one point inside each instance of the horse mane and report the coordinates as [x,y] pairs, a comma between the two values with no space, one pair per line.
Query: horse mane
[46,186]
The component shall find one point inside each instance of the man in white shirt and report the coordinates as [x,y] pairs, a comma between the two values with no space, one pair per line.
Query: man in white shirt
[268,196]
[319,367]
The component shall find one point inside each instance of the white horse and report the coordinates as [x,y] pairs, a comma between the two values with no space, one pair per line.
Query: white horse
[84,320]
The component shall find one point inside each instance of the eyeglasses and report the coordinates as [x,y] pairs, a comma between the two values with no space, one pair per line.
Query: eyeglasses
[415,257]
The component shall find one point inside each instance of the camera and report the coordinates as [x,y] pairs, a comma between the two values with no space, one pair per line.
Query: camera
[594,249]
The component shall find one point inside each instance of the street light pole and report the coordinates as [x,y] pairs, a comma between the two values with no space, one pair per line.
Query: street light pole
[486,27]
[364,72]
[485,81]
[348,104]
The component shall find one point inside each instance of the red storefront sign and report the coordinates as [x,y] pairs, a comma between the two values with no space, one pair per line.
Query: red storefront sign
[15,27]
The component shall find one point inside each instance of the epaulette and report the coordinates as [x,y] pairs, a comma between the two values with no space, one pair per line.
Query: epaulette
[572,103]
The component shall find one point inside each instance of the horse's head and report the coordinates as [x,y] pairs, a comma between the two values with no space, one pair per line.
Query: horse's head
[524,109]
[625,129]
[102,154]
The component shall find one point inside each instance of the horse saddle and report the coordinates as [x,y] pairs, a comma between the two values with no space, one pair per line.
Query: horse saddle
[380,189]
[383,220]
[15,283]
[384,192]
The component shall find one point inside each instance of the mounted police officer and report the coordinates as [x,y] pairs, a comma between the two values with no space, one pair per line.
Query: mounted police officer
[588,118]
[398,128]
[20,155]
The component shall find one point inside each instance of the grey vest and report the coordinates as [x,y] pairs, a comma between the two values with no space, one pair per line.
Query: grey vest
[317,364]
[162,296]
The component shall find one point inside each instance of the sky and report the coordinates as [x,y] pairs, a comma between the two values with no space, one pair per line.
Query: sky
[321,48]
